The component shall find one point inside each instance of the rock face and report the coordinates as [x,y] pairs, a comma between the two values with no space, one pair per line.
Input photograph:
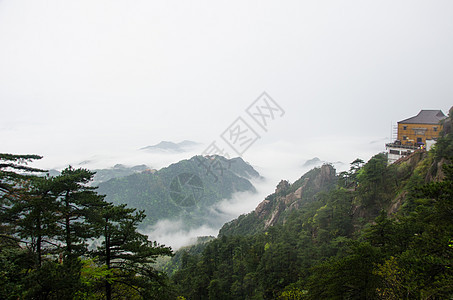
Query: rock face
[288,197]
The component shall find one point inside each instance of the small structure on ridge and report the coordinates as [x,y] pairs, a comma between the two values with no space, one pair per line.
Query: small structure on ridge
[418,132]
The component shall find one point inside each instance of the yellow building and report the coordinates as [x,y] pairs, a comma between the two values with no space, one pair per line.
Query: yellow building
[414,133]
[424,126]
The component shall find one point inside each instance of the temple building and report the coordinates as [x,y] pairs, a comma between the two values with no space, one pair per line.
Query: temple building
[418,132]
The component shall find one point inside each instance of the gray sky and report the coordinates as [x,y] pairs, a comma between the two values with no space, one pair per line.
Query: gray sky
[91,77]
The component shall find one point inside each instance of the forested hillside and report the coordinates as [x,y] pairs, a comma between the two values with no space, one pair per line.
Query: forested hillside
[381,232]
[59,239]
[186,189]
[377,231]
[277,207]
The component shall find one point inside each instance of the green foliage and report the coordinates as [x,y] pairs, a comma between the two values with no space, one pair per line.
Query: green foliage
[348,179]
[151,192]
[246,224]
[376,184]
[293,294]
[78,209]
[349,277]
[343,244]
[126,250]
[312,184]
[444,145]
[262,265]
[13,260]
[46,225]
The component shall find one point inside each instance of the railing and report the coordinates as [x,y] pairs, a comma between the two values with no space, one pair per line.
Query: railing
[402,146]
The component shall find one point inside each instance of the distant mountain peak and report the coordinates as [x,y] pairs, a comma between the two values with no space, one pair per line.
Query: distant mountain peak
[315,161]
[168,146]
[188,189]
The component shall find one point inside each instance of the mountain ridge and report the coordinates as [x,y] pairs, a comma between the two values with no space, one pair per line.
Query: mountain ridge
[168,146]
[186,189]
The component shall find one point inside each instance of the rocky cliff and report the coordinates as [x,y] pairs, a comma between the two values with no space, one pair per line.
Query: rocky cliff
[287,197]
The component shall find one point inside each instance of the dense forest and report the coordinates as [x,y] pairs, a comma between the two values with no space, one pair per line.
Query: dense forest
[377,231]
[59,239]
[381,232]
[155,192]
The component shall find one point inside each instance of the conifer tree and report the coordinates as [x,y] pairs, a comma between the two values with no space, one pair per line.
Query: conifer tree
[127,252]
[79,207]
[15,260]
[35,217]
[13,173]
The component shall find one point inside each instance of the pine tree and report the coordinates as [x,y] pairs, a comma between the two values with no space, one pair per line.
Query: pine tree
[78,211]
[14,172]
[35,217]
[127,252]
[15,260]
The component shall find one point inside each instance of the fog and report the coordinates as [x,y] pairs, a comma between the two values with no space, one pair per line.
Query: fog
[102,76]
[175,232]
[274,162]
[95,81]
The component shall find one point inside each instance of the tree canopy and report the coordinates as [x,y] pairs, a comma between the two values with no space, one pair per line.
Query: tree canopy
[61,240]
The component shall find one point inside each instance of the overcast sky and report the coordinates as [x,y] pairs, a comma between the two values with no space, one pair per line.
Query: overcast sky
[91,77]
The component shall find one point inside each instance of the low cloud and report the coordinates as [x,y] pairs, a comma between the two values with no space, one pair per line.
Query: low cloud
[175,233]
[275,161]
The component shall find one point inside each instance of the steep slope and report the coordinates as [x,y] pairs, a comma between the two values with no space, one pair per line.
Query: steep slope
[187,189]
[286,198]
[335,244]
[383,232]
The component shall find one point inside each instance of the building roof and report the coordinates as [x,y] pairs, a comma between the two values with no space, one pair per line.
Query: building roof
[425,117]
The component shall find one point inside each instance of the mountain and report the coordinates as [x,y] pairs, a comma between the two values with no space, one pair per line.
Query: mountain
[315,161]
[116,171]
[276,207]
[187,189]
[167,146]
[377,231]
[119,170]
[386,233]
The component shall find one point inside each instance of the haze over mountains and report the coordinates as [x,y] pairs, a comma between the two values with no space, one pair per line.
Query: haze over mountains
[200,193]
[172,230]
[167,146]
[305,93]
[185,190]
[103,175]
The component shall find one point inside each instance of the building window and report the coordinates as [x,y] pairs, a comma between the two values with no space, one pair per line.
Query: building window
[435,128]
[394,152]
[404,127]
